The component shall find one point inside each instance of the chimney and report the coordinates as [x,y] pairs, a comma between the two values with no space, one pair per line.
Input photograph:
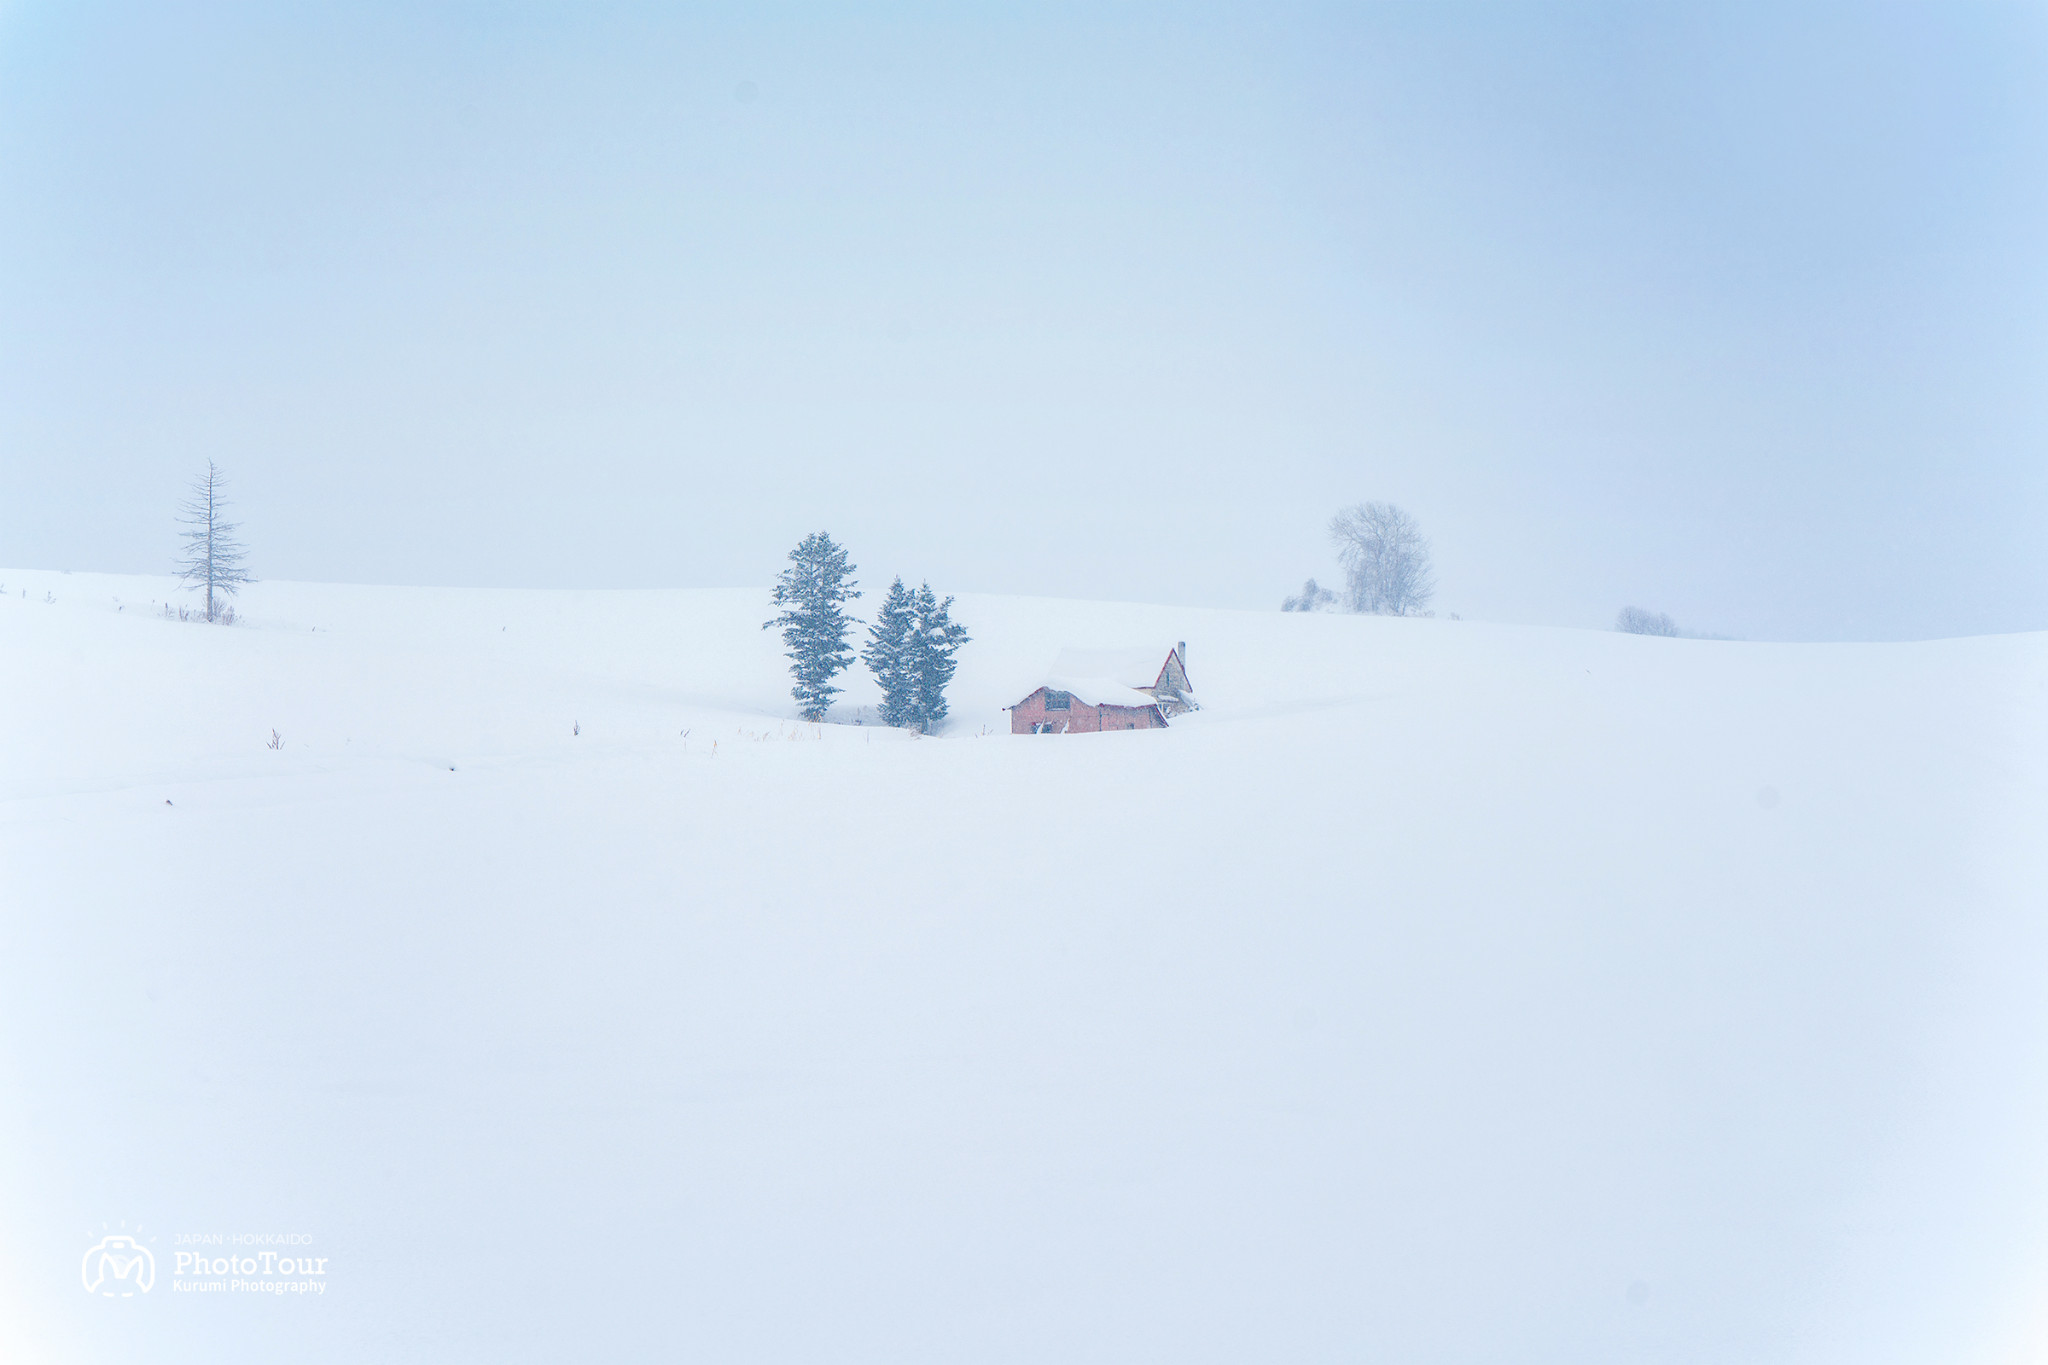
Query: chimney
[1183,652]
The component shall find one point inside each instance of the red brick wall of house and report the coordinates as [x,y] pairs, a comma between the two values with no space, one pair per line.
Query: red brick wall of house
[1081,718]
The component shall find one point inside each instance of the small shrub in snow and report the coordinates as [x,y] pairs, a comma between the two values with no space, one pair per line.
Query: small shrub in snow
[1637,621]
[1313,597]
[225,616]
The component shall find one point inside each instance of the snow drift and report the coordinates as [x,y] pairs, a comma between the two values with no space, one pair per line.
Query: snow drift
[1439,992]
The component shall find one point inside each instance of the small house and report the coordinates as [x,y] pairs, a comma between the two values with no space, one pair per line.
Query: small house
[1090,690]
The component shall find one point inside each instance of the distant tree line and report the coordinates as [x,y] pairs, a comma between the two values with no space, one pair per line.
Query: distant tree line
[910,644]
[1388,572]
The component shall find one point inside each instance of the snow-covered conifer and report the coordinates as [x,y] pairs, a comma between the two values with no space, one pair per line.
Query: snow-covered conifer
[935,639]
[814,623]
[888,654]
[213,558]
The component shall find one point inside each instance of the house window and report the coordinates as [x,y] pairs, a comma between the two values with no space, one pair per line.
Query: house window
[1058,701]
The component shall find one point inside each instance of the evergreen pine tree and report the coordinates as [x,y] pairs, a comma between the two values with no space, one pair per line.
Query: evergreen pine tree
[814,624]
[934,640]
[888,654]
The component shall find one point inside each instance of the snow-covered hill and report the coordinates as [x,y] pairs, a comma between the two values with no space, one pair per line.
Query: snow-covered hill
[1440,992]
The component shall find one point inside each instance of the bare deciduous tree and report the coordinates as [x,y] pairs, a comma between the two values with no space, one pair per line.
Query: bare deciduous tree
[1386,561]
[1638,621]
[213,557]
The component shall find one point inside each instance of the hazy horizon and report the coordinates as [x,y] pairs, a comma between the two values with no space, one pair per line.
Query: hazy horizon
[1732,314]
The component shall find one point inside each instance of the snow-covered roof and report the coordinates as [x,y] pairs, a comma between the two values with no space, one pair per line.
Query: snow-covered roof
[1109,677]
[1135,666]
[1101,691]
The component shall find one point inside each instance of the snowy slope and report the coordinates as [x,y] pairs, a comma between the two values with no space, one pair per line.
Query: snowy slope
[1440,992]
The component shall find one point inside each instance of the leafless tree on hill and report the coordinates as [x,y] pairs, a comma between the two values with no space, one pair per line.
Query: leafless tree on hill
[1386,560]
[213,558]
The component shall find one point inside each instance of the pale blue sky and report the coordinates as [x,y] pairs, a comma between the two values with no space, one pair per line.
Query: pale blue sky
[1737,312]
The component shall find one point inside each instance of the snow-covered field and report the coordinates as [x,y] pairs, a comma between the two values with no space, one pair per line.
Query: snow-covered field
[1440,992]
